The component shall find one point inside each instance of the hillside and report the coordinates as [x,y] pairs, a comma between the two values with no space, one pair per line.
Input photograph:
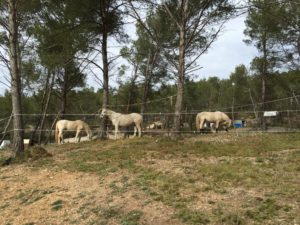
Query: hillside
[205,179]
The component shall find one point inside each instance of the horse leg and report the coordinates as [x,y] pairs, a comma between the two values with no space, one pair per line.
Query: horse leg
[201,125]
[135,130]
[217,126]
[79,135]
[76,137]
[126,135]
[116,131]
[60,137]
[139,129]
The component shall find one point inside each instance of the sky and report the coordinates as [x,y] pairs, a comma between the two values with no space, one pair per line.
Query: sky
[225,54]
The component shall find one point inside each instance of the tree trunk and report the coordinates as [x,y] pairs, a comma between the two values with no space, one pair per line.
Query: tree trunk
[180,79]
[31,141]
[148,79]
[144,97]
[44,106]
[146,86]
[5,129]
[263,84]
[105,100]
[45,110]
[18,144]
[263,99]
[253,104]
[232,108]
[131,89]
[178,104]
[65,91]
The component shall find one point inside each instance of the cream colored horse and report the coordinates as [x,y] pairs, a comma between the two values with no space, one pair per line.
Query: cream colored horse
[124,120]
[218,118]
[156,125]
[76,125]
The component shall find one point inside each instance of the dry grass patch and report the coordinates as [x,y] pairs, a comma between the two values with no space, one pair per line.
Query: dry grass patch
[205,179]
[45,196]
[50,197]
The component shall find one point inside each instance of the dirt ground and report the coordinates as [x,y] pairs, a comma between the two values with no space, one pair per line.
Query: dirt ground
[106,188]
[48,196]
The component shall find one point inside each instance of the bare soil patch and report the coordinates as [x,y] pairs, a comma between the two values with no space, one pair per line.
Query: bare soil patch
[205,179]
[60,197]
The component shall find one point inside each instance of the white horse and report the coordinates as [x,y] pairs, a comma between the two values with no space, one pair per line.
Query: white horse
[124,120]
[213,117]
[156,125]
[76,125]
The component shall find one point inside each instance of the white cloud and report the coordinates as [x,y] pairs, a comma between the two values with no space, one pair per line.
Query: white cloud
[227,52]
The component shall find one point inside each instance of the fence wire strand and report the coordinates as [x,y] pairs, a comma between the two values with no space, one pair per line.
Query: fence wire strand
[289,120]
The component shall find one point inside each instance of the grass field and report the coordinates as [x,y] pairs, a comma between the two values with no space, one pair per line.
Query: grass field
[205,179]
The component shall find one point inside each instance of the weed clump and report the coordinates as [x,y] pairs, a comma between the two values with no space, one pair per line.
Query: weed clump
[57,205]
[35,153]
[30,154]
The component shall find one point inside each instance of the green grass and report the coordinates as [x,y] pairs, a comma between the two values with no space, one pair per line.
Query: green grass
[28,197]
[245,179]
[265,209]
[267,170]
[121,186]
[3,206]
[110,212]
[131,218]
[116,213]
[57,205]
[193,217]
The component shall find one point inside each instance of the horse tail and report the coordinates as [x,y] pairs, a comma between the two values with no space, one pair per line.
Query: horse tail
[142,120]
[198,122]
[56,133]
[88,130]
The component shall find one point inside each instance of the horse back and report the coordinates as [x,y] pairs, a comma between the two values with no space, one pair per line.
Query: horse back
[222,116]
[205,116]
[61,124]
[137,117]
[70,125]
[212,116]
[128,119]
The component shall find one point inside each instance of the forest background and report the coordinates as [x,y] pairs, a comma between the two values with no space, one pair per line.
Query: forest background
[49,47]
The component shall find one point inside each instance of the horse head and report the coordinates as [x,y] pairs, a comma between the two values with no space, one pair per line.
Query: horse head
[228,123]
[103,112]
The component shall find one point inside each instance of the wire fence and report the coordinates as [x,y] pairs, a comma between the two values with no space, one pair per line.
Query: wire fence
[155,124]
[246,118]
